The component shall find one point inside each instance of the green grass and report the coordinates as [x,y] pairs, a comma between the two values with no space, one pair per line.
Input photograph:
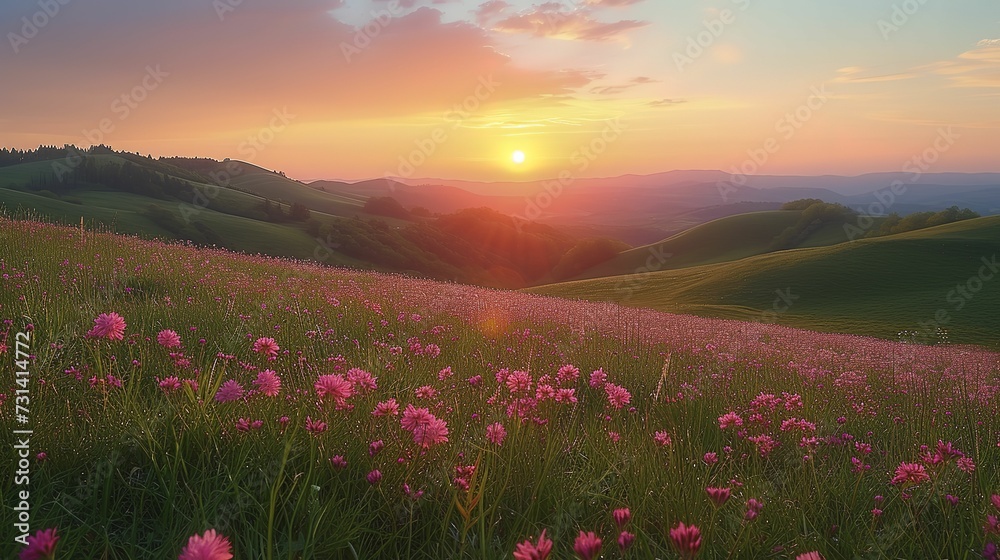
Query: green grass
[875,287]
[721,240]
[132,472]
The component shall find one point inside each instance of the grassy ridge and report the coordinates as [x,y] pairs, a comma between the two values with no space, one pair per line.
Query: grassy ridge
[875,287]
[132,471]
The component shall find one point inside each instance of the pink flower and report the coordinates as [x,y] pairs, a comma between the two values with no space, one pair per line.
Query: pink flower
[814,555]
[338,462]
[362,380]
[211,546]
[687,539]
[625,540]
[910,474]
[434,432]
[108,325]
[587,545]
[566,396]
[719,496]
[519,382]
[374,477]
[268,383]
[537,551]
[386,408]
[621,517]
[995,500]
[598,378]
[413,417]
[754,508]
[730,420]
[496,433]
[170,384]
[374,447]
[711,458]
[315,426]
[230,391]
[568,374]
[426,392]
[618,396]
[966,465]
[168,339]
[266,346]
[334,387]
[662,439]
[41,545]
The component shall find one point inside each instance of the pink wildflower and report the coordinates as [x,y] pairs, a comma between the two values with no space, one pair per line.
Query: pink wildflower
[618,396]
[730,420]
[315,426]
[662,439]
[621,517]
[910,474]
[268,383]
[719,496]
[426,392]
[687,539]
[211,546]
[362,380]
[266,346]
[598,378]
[386,408]
[230,391]
[587,545]
[168,339]
[496,433]
[335,387]
[41,545]
[538,551]
[108,325]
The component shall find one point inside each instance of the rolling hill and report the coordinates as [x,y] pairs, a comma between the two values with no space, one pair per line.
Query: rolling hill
[915,281]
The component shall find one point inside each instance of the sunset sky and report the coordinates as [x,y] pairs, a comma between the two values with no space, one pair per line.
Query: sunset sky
[325,89]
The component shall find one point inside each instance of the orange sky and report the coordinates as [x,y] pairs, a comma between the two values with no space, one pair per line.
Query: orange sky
[439,88]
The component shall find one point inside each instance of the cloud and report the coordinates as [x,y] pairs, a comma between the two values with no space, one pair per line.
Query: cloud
[989,43]
[666,102]
[612,90]
[979,68]
[554,20]
[612,3]
[229,75]
[858,75]
[489,10]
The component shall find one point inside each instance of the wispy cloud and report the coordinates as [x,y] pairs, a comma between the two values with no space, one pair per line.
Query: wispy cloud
[557,21]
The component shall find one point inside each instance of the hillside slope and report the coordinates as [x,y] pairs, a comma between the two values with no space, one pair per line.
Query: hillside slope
[915,281]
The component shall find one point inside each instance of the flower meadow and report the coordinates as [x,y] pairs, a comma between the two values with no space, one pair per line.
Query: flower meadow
[197,404]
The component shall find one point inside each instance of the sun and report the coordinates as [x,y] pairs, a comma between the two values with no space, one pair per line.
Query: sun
[517,157]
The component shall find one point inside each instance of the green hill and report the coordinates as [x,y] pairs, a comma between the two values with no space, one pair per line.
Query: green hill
[246,208]
[877,287]
[721,240]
